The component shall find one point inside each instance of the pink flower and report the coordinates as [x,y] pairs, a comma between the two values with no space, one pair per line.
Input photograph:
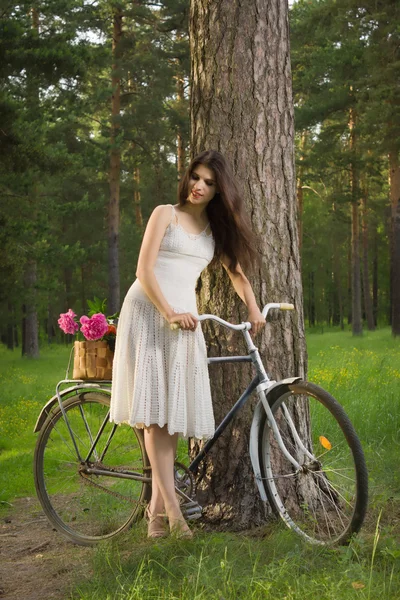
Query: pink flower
[95,327]
[67,323]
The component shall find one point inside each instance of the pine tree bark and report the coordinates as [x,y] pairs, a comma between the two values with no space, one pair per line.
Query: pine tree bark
[394,177]
[49,323]
[349,278]
[30,329]
[10,326]
[115,170]
[181,146]
[375,277]
[241,105]
[83,287]
[366,287]
[299,191]
[311,299]
[356,322]
[23,328]
[68,287]
[337,288]
[30,326]
[137,198]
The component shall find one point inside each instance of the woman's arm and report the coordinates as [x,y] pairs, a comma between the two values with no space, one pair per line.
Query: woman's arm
[155,230]
[244,290]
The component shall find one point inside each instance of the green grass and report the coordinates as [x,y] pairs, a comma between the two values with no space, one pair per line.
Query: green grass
[233,566]
[362,373]
[25,385]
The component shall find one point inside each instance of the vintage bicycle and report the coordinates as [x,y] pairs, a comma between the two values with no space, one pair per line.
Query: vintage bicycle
[93,478]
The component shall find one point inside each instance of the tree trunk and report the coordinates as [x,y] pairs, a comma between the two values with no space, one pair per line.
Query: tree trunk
[241,105]
[349,271]
[114,173]
[311,299]
[49,323]
[335,296]
[337,284]
[31,332]
[23,328]
[16,340]
[375,277]
[30,339]
[299,190]
[367,293]
[10,326]
[181,154]
[394,174]
[356,322]
[136,198]
[160,196]
[83,289]
[68,288]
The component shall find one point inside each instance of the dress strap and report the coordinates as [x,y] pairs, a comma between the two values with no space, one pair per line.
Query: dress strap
[174,216]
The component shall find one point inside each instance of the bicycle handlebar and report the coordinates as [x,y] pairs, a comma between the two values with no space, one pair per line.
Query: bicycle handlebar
[241,326]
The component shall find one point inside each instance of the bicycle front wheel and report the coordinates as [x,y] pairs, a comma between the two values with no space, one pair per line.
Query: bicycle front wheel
[89,507]
[325,498]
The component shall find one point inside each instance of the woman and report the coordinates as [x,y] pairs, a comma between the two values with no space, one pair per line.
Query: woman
[160,375]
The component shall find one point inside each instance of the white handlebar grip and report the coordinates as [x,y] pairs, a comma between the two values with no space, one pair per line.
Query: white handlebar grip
[286,306]
[174,326]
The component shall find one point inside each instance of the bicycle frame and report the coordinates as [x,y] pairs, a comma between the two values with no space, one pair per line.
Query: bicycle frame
[261,377]
[260,382]
[323,497]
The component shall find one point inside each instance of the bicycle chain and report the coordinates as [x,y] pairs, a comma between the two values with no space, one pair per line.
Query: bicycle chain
[188,486]
[88,480]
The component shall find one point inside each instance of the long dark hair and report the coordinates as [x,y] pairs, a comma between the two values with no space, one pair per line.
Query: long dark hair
[226,212]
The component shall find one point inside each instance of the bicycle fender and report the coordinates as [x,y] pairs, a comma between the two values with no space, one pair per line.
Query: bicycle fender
[273,392]
[47,408]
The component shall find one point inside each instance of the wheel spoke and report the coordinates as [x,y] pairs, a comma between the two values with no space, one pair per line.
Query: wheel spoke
[324,500]
[84,506]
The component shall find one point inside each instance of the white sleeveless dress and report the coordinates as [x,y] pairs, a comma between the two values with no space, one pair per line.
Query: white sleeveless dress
[160,376]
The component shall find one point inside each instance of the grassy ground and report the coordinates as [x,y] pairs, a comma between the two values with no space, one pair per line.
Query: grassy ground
[25,385]
[363,373]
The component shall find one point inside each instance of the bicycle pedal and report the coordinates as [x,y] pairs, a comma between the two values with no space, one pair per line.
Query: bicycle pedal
[192,510]
[190,504]
[193,516]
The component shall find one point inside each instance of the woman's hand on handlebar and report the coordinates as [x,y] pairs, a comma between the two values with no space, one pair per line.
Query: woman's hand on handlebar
[257,321]
[185,320]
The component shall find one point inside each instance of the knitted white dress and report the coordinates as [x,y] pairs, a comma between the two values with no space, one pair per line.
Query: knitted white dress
[160,376]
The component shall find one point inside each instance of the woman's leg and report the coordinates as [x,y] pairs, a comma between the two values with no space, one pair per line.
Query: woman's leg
[156,504]
[161,450]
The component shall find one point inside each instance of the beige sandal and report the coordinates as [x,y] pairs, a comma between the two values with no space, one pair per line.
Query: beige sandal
[156,525]
[180,529]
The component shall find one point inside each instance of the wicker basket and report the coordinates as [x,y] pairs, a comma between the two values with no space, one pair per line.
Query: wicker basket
[92,360]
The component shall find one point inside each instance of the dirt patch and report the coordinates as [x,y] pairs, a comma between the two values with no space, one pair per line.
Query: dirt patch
[36,562]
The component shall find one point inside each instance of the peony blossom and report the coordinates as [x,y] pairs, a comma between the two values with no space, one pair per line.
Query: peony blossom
[67,323]
[95,327]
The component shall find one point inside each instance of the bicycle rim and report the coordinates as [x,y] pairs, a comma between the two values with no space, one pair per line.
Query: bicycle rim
[325,500]
[88,508]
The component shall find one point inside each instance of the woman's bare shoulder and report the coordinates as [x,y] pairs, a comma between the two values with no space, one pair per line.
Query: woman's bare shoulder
[161,214]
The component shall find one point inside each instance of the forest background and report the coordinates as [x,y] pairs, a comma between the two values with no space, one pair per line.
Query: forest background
[94,110]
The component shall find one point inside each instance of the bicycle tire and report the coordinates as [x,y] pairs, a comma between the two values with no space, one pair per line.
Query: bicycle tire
[88,508]
[325,501]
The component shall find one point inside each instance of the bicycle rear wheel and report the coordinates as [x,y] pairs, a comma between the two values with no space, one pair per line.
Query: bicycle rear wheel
[324,501]
[85,507]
